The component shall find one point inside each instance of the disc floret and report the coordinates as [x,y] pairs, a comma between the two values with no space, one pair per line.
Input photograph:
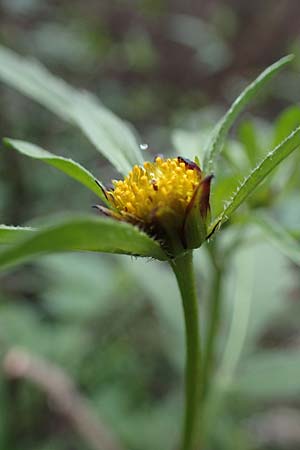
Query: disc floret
[167,198]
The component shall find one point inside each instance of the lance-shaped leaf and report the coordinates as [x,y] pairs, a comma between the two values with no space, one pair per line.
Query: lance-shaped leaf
[276,234]
[262,170]
[83,233]
[107,132]
[222,128]
[10,234]
[66,165]
[111,136]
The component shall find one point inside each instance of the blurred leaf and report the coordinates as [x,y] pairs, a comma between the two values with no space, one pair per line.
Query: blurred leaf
[167,307]
[276,234]
[241,276]
[107,132]
[286,123]
[260,172]
[111,136]
[288,211]
[83,233]
[272,374]
[272,281]
[222,189]
[61,45]
[66,165]
[82,286]
[221,130]
[18,325]
[186,143]
[248,137]
[22,325]
[237,333]
[9,234]
[22,7]
[209,46]
[150,427]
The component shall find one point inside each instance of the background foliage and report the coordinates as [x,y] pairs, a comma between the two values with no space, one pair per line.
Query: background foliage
[162,65]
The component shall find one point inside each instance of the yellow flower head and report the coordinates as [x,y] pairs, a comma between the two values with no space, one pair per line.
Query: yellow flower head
[167,198]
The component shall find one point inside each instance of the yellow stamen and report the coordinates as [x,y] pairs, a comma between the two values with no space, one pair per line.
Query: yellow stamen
[162,188]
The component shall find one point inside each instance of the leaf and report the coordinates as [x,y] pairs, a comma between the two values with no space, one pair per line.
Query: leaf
[66,165]
[248,137]
[221,130]
[278,236]
[83,233]
[9,234]
[111,136]
[74,296]
[186,143]
[260,172]
[272,374]
[107,132]
[288,120]
[166,307]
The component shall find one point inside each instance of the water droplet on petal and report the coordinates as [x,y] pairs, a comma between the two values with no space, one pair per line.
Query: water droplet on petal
[144,146]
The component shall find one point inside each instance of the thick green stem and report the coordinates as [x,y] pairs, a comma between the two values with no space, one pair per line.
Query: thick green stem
[183,269]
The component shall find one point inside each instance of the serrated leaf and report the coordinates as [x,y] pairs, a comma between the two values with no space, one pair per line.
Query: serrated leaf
[83,233]
[110,135]
[221,130]
[270,375]
[278,236]
[66,165]
[10,234]
[261,171]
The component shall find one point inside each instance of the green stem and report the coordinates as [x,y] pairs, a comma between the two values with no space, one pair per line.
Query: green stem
[213,325]
[183,269]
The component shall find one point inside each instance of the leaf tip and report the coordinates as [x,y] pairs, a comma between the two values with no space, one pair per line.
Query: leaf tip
[286,59]
[7,142]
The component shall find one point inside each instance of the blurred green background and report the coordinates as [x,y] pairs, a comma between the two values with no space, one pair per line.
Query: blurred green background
[114,323]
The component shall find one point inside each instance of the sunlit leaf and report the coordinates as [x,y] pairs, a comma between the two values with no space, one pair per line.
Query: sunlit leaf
[66,165]
[275,233]
[83,233]
[10,234]
[260,172]
[221,130]
[111,136]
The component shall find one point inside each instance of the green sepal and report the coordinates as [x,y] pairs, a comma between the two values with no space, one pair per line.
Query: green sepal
[167,230]
[194,231]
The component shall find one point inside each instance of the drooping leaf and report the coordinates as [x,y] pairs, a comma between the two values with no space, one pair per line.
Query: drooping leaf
[83,233]
[221,130]
[260,172]
[10,234]
[66,165]
[276,234]
[111,136]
